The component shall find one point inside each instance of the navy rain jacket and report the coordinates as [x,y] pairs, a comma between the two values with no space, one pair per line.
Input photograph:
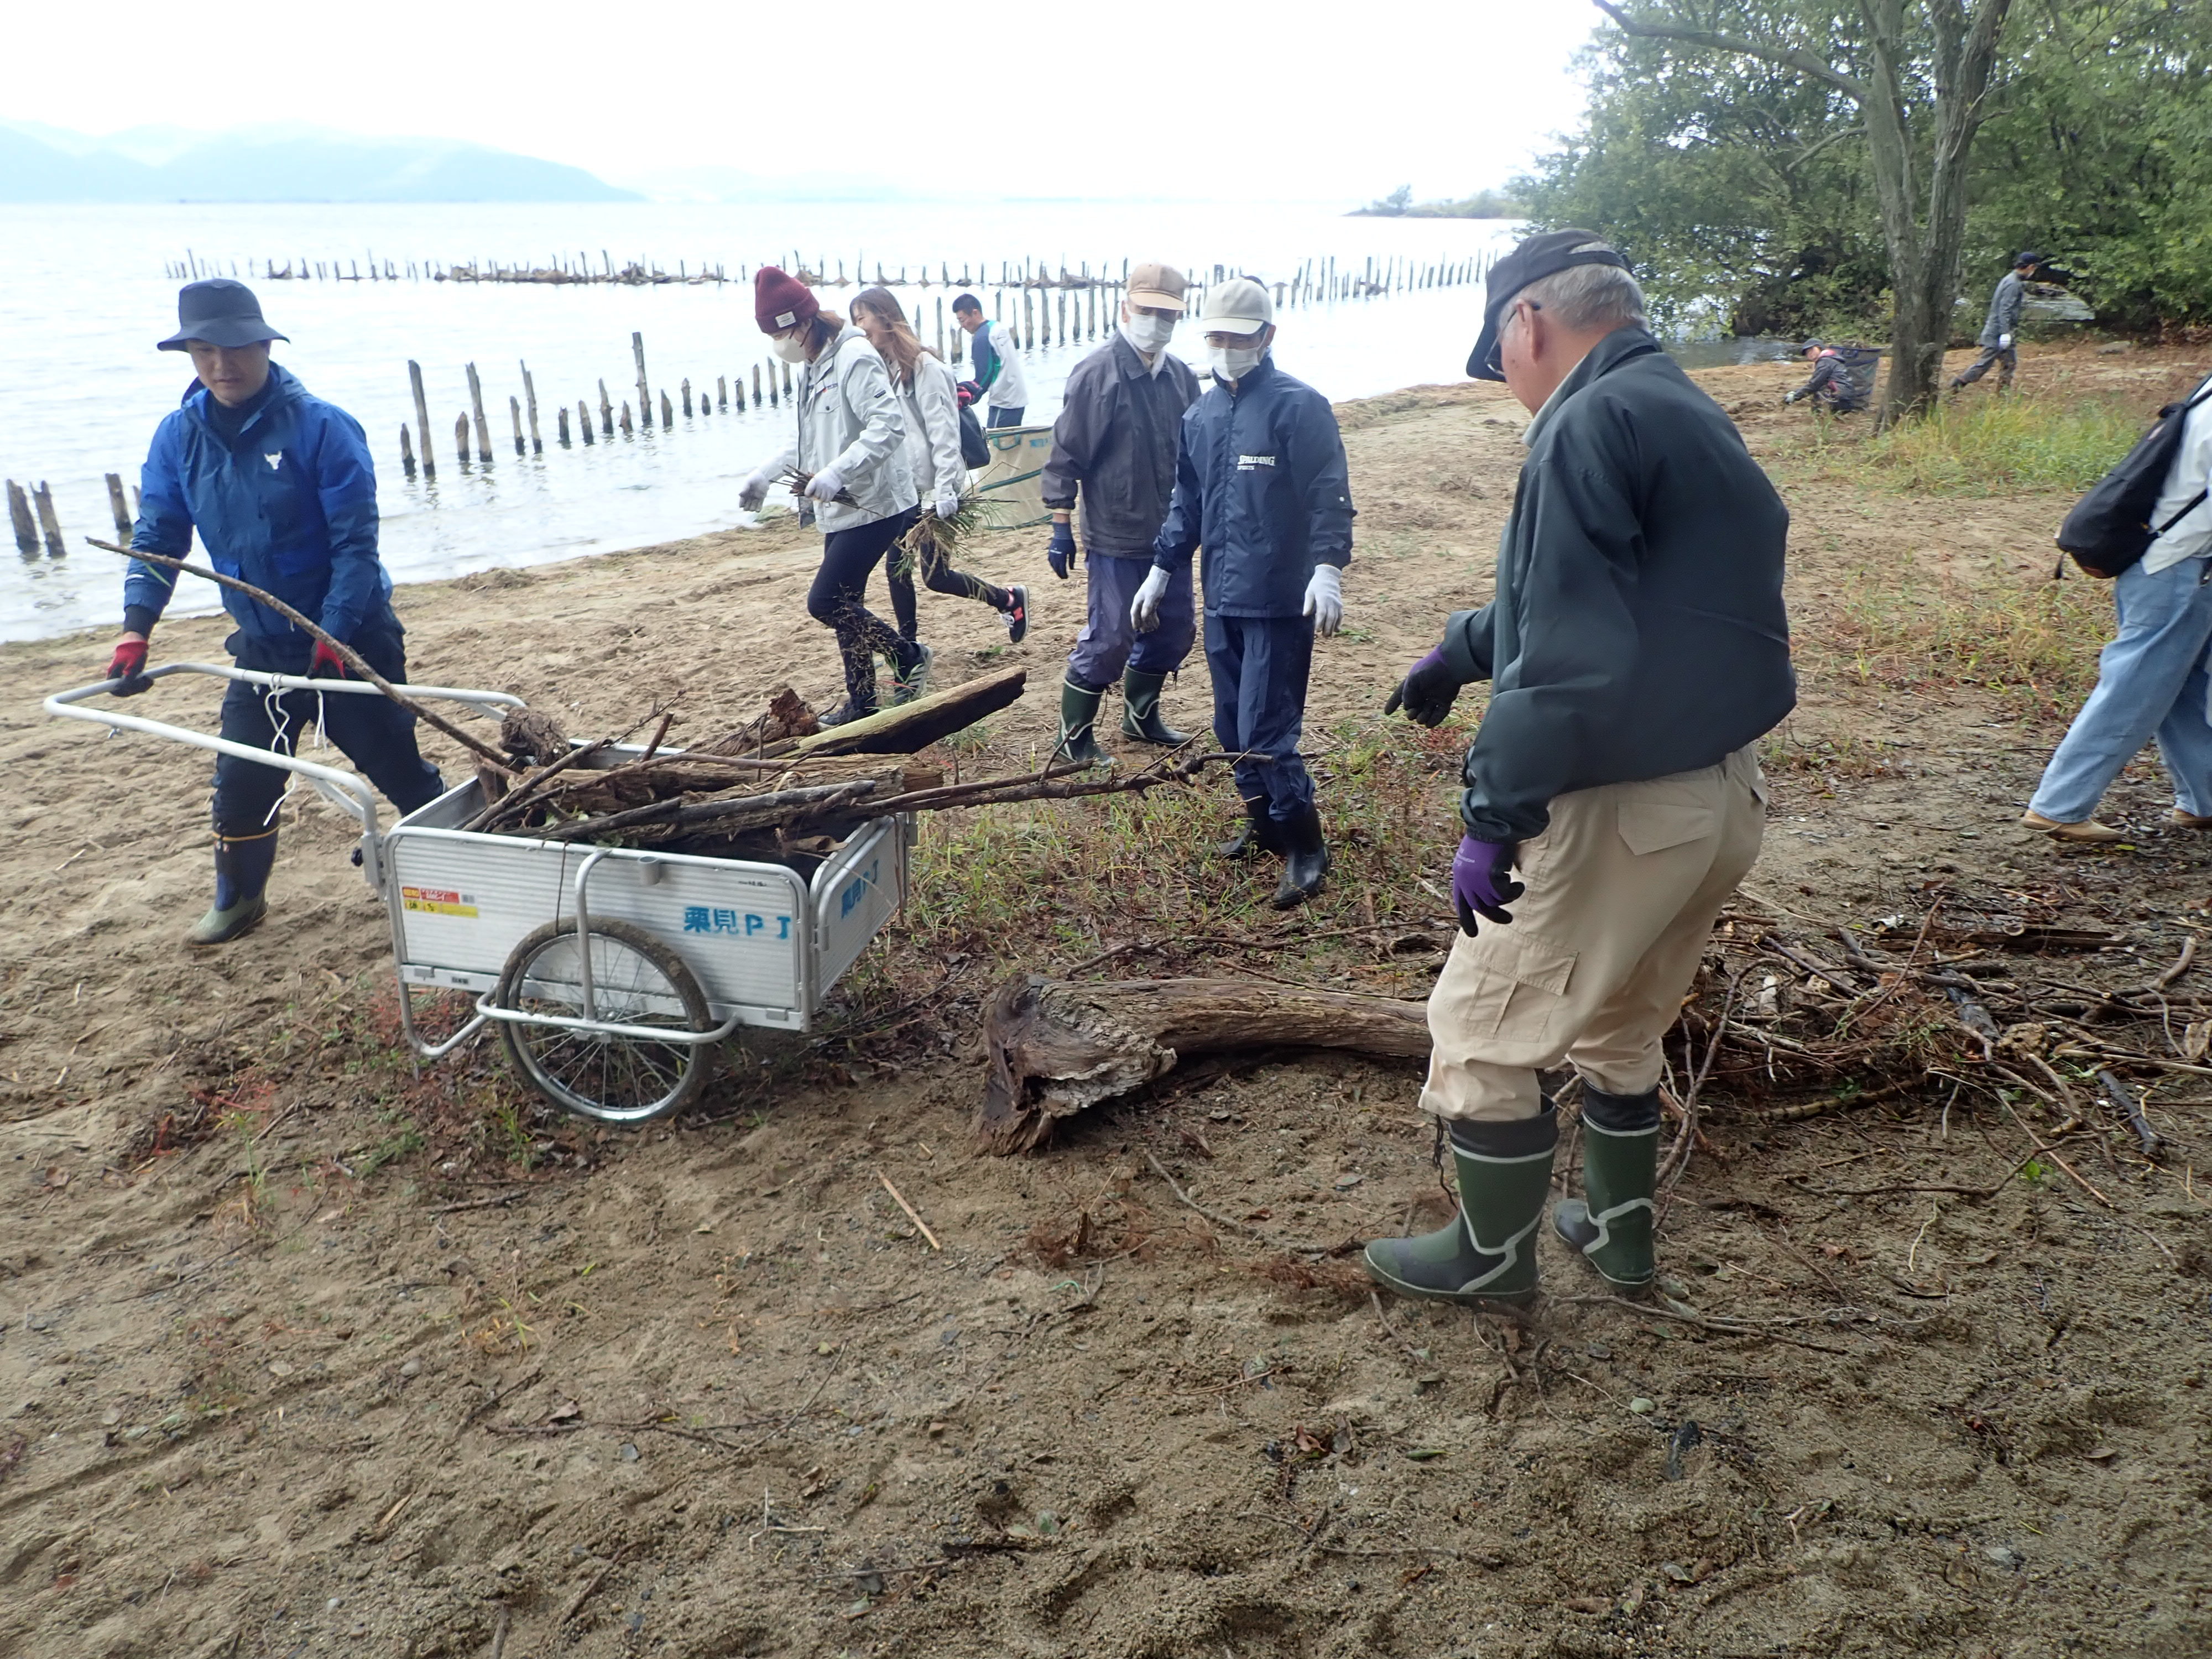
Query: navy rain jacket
[1262,482]
[291,508]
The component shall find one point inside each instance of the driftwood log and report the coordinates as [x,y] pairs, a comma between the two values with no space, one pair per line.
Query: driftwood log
[1058,1047]
[911,727]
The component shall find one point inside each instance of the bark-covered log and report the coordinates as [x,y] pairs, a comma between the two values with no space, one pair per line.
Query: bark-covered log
[1058,1047]
[911,727]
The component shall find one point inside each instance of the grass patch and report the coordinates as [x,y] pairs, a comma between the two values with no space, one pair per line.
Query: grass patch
[2034,648]
[1980,444]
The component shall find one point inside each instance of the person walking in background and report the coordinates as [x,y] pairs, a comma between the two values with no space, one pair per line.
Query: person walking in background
[2155,679]
[2002,325]
[281,487]
[1262,484]
[999,380]
[1114,456]
[1637,649]
[850,447]
[931,406]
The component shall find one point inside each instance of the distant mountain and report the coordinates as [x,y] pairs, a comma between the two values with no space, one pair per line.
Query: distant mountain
[711,184]
[288,163]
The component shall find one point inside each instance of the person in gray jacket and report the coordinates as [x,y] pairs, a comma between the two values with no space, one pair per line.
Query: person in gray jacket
[1114,447]
[2002,325]
[850,448]
[1637,650]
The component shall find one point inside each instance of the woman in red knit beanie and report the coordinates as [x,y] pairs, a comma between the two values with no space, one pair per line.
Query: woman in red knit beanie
[851,446]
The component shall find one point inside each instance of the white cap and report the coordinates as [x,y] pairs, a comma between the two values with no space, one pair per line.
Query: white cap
[1239,306]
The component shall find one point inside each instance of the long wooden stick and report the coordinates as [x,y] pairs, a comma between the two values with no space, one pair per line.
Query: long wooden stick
[352,658]
[913,1214]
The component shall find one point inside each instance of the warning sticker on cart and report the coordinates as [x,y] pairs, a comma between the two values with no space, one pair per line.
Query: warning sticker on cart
[437,901]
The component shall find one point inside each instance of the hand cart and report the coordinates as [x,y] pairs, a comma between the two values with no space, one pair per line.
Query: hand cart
[610,972]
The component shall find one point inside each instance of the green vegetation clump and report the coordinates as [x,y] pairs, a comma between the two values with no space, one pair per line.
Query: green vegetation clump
[1983,444]
[1483,204]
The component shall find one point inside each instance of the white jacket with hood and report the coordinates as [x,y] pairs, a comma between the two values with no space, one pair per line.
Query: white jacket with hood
[849,418]
[931,407]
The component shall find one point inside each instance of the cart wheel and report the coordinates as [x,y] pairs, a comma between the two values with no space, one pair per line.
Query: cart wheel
[635,981]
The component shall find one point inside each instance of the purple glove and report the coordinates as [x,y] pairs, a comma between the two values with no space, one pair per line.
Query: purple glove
[1482,881]
[1427,692]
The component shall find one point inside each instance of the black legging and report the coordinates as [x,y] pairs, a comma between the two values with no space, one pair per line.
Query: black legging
[838,600]
[940,577]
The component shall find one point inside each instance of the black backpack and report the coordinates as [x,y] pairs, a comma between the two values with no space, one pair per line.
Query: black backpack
[974,448]
[2110,529]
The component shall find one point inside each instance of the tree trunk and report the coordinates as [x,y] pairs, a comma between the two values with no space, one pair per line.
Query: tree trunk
[911,727]
[1057,1046]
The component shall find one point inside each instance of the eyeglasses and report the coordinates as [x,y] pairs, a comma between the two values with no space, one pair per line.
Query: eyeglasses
[1496,363]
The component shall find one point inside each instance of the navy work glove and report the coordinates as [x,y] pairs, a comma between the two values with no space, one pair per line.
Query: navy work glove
[1482,881]
[326,664]
[1061,551]
[1427,692]
[129,666]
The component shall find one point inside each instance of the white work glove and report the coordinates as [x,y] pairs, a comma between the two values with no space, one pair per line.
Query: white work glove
[754,495]
[1325,600]
[2004,341]
[1145,609]
[948,503]
[826,485]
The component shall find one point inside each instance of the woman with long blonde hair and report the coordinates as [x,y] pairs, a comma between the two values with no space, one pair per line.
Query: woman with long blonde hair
[928,394]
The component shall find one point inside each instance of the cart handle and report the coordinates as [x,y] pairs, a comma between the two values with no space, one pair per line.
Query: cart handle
[344,789]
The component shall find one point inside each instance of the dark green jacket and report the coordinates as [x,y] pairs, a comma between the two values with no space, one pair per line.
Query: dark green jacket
[1638,628]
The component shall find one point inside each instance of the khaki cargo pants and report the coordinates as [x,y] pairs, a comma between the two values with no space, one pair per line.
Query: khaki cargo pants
[1623,888]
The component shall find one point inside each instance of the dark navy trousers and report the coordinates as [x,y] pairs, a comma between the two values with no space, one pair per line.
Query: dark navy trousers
[1260,666]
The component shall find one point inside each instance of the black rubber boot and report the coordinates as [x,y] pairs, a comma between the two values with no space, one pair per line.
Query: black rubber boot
[1488,1252]
[1140,711]
[1255,835]
[1305,860]
[1611,1224]
[242,864]
[1078,727]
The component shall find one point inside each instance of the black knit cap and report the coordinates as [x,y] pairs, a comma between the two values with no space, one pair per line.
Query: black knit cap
[1541,256]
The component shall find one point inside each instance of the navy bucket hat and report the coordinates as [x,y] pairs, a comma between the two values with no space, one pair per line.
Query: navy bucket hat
[220,312]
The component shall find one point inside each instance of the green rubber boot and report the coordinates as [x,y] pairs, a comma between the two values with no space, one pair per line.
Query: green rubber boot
[1488,1252]
[1078,727]
[1611,1224]
[242,864]
[1140,711]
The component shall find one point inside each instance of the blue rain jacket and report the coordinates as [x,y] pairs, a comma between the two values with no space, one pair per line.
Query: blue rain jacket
[1262,484]
[290,507]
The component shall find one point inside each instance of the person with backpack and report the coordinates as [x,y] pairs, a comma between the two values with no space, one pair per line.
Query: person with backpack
[850,449]
[999,383]
[2154,677]
[1114,456]
[931,403]
[2000,327]
[1833,386]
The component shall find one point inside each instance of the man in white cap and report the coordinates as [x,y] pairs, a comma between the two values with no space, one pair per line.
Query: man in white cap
[1261,485]
[1114,444]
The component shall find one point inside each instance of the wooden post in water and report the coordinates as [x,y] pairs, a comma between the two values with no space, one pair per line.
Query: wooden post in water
[1029,319]
[44,495]
[406,451]
[483,430]
[722,391]
[514,412]
[687,396]
[564,426]
[667,413]
[1061,305]
[530,397]
[461,437]
[121,508]
[19,511]
[583,419]
[627,431]
[644,399]
[785,367]
[756,390]
[421,417]
[940,327]
[606,412]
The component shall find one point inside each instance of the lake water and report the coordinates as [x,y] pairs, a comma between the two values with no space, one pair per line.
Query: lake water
[83,297]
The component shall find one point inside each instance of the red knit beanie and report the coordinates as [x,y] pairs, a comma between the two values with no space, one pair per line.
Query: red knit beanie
[780,301]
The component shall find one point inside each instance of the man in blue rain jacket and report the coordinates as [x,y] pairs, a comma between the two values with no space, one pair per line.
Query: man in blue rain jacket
[280,486]
[1262,484]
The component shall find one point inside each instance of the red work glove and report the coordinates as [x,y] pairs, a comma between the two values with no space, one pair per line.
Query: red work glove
[129,666]
[327,665]
[968,392]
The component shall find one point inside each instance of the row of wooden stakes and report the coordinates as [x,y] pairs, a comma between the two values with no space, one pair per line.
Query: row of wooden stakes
[46,527]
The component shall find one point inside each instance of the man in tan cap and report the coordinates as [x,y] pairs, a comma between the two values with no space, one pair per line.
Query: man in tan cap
[1115,443]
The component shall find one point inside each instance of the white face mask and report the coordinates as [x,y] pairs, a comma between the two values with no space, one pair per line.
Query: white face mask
[1233,363]
[792,348]
[1148,333]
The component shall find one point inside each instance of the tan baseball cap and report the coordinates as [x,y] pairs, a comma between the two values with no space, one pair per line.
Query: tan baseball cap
[1239,306]
[1161,287]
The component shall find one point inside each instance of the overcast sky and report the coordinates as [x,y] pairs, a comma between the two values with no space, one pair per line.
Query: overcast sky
[1290,101]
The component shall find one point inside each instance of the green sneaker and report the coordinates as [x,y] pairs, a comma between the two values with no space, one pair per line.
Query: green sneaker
[1611,1224]
[1488,1252]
